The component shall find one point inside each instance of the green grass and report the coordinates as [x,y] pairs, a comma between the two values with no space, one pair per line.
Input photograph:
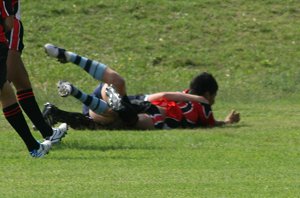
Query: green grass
[252,47]
[252,159]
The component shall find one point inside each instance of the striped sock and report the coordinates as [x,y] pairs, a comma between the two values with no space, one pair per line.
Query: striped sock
[95,104]
[14,116]
[29,105]
[94,68]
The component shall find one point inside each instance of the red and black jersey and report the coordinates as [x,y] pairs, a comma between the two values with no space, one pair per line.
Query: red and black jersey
[11,7]
[2,34]
[197,114]
[5,10]
[16,8]
[15,35]
[186,114]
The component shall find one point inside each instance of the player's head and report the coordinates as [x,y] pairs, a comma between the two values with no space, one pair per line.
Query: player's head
[204,85]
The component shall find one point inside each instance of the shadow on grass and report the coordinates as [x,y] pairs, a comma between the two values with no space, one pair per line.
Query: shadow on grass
[237,126]
[108,147]
[96,152]
[136,144]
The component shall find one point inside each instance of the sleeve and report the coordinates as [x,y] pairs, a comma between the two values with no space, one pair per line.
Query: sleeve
[211,120]
[206,116]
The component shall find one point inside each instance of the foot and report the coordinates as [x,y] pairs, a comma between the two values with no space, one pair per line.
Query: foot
[56,52]
[64,88]
[43,150]
[48,116]
[48,113]
[58,133]
[114,98]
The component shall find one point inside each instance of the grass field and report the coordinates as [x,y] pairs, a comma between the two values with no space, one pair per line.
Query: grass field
[252,48]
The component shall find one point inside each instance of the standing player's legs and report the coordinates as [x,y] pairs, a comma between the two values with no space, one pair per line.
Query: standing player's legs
[16,70]
[13,112]
[17,74]
[14,116]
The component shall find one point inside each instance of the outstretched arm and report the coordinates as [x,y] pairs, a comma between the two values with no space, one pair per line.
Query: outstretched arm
[177,97]
[232,117]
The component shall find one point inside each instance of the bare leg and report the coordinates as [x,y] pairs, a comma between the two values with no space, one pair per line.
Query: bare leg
[145,122]
[7,96]
[14,116]
[16,71]
[97,70]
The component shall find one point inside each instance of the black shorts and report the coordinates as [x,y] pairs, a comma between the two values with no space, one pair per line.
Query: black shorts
[97,93]
[15,36]
[3,69]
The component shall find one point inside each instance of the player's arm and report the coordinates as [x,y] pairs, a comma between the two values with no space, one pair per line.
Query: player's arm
[177,97]
[232,117]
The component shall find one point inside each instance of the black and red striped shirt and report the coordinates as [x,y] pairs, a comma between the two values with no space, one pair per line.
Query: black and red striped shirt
[6,10]
[186,114]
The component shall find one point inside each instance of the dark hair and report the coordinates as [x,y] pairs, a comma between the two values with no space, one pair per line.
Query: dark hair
[202,83]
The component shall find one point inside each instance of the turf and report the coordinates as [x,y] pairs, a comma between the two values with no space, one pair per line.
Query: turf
[252,48]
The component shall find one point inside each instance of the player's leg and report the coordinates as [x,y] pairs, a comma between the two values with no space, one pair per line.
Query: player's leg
[124,108]
[52,115]
[16,73]
[139,114]
[152,118]
[13,114]
[108,118]
[97,70]
[95,104]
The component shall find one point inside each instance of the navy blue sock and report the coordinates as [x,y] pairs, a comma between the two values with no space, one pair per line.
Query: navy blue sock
[95,104]
[94,68]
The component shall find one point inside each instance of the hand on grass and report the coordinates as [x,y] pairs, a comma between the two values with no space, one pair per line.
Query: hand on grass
[233,117]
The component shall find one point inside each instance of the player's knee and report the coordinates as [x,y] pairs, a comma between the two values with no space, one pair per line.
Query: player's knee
[118,81]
